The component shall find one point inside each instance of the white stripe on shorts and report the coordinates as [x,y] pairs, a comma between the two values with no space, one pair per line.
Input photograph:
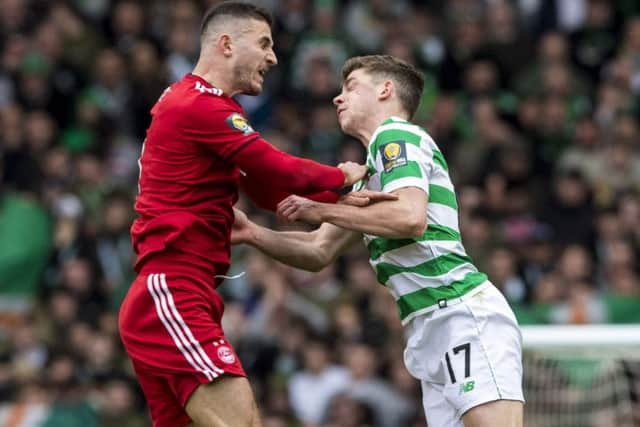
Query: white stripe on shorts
[174,331]
[207,361]
[186,338]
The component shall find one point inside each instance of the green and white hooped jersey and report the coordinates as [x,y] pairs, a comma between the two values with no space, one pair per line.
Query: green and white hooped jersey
[424,270]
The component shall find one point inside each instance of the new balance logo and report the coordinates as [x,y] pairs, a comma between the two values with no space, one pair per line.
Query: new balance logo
[467,387]
[213,90]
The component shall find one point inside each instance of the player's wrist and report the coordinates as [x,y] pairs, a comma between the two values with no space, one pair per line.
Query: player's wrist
[345,183]
[320,212]
[252,233]
[344,190]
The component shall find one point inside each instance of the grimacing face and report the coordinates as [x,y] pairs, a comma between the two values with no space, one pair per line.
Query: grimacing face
[254,50]
[356,100]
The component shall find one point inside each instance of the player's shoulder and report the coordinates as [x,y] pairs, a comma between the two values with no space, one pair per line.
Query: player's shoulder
[193,88]
[395,132]
[194,97]
[400,127]
[196,85]
[199,91]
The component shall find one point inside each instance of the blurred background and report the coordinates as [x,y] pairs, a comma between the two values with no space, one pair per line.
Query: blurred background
[534,103]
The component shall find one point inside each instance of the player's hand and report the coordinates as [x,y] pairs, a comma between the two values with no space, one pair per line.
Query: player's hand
[295,208]
[241,230]
[353,172]
[365,197]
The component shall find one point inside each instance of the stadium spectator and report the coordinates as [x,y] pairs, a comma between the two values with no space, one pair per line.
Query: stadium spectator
[311,390]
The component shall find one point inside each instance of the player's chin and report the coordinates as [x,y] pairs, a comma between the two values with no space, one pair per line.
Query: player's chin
[254,89]
[344,125]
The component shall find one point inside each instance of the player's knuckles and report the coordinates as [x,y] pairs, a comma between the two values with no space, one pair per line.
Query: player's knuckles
[360,201]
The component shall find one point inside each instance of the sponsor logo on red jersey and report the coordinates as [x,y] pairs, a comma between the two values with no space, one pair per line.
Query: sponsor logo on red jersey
[212,90]
[237,122]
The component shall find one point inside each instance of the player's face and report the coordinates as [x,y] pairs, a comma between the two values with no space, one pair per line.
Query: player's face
[255,56]
[355,102]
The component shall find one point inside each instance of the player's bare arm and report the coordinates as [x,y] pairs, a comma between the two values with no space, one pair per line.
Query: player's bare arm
[365,197]
[402,218]
[310,251]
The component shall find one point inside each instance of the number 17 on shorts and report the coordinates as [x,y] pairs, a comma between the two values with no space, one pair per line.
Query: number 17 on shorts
[466,385]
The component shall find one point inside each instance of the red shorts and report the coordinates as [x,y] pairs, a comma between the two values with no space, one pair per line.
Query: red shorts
[170,327]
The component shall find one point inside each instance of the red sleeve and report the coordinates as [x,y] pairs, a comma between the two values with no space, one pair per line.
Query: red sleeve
[227,133]
[268,197]
[264,196]
[324,197]
[274,168]
[215,123]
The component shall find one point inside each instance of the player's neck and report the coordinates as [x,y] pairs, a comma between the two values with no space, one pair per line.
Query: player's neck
[373,122]
[214,77]
[367,128]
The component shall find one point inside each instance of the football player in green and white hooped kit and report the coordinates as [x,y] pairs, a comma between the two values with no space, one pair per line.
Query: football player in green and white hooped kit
[462,339]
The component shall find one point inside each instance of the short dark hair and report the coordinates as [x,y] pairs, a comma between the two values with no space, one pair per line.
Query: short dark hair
[235,9]
[409,81]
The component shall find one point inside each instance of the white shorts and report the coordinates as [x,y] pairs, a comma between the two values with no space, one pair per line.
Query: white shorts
[465,354]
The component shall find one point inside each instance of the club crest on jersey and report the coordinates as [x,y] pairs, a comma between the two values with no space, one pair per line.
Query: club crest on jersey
[394,154]
[224,352]
[237,122]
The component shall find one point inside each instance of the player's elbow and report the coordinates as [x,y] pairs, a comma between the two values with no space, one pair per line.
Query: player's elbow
[415,225]
[318,262]
[316,267]
[322,255]
[410,213]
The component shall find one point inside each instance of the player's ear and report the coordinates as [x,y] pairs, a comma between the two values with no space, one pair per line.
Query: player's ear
[386,90]
[225,45]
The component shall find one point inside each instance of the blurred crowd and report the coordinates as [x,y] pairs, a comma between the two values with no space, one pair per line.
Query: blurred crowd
[534,103]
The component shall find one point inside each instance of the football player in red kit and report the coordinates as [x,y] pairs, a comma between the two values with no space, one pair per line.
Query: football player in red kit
[199,149]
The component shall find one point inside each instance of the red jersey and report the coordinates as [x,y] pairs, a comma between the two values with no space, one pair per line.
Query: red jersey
[196,147]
